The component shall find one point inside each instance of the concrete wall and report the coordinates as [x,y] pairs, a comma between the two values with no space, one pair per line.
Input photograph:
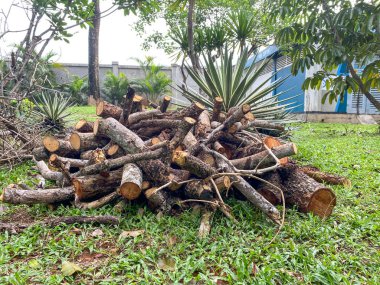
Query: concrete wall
[68,70]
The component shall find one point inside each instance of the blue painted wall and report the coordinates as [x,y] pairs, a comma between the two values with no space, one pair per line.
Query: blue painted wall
[294,82]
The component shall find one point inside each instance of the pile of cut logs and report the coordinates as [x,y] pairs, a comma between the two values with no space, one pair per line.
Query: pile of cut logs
[186,157]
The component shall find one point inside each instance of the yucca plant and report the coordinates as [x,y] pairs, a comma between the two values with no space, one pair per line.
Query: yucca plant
[53,107]
[234,83]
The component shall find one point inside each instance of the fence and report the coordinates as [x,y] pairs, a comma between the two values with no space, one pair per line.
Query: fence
[67,70]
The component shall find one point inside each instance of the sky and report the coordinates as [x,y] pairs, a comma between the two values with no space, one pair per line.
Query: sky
[118,41]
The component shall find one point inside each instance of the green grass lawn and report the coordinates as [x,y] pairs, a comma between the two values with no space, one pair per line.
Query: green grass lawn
[81,112]
[343,249]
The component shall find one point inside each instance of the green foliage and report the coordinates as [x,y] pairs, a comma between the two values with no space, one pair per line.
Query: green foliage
[115,87]
[342,249]
[24,107]
[234,83]
[53,106]
[155,84]
[77,90]
[330,33]
[216,25]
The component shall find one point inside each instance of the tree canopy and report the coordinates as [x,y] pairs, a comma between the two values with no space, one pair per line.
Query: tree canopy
[330,33]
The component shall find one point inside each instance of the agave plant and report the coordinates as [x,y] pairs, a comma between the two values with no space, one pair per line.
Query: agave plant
[234,83]
[53,107]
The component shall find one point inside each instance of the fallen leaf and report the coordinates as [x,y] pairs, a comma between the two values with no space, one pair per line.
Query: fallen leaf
[135,233]
[172,240]
[254,269]
[97,233]
[69,268]
[34,263]
[166,264]
[76,231]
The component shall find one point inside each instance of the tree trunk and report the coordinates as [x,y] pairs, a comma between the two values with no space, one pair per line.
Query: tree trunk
[84,127]
[127,106]
[363,89]
[106,110]
[305,193]
[131,182]
[324,177]
[87,141]
[190,34]
[45,196]
[93,53]
[264,159]
[165,104]
[96,186]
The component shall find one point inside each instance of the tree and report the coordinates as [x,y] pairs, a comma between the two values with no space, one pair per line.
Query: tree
[115,87]
[93,54]
[206,25]
[330,33]
[156,82]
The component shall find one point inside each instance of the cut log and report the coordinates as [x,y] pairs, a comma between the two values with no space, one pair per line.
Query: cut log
[218,104]
[145,185]
[260,124]
[207,158]
[107,110]
[264,159]
[165,104]
[131,182]
[58,146]
[223,183]
[144,115]
[199,189]
[193,111]
[154,170]
[324,177]
[253,148]
[176,176]
[157,124]
[160,200]
[86,141]
[306,193]
[189,141]
[137,104]
[193,164]
[86,155]
[96,186]
[203,125]
[222,117]
[84,127]
[272,142]
[269,192]
[219,147]
[98,203]
[56,176]
[44,196]
[55,160]
[40,153]
[97,156]
[127,106]
[112,150]
[181,132]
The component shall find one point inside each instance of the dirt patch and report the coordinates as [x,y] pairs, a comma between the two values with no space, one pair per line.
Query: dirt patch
[18,215]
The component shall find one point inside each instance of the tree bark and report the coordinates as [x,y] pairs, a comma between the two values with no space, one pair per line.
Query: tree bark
[56,160]
[30,197]
[182,130]
[199,189]
[40,153]
[264,159]
[59,147]
[87,141]
[203,125]
[96,186]
[107,110]
[193,164]
[305,193]
[127,106]
[144,115]
[362,88]
[190,34]
[165,104]
[218,105]
[84,127]
[324,177]
[93,53]
[131,182]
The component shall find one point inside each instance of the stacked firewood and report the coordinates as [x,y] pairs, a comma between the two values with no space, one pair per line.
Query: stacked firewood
[186,157]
